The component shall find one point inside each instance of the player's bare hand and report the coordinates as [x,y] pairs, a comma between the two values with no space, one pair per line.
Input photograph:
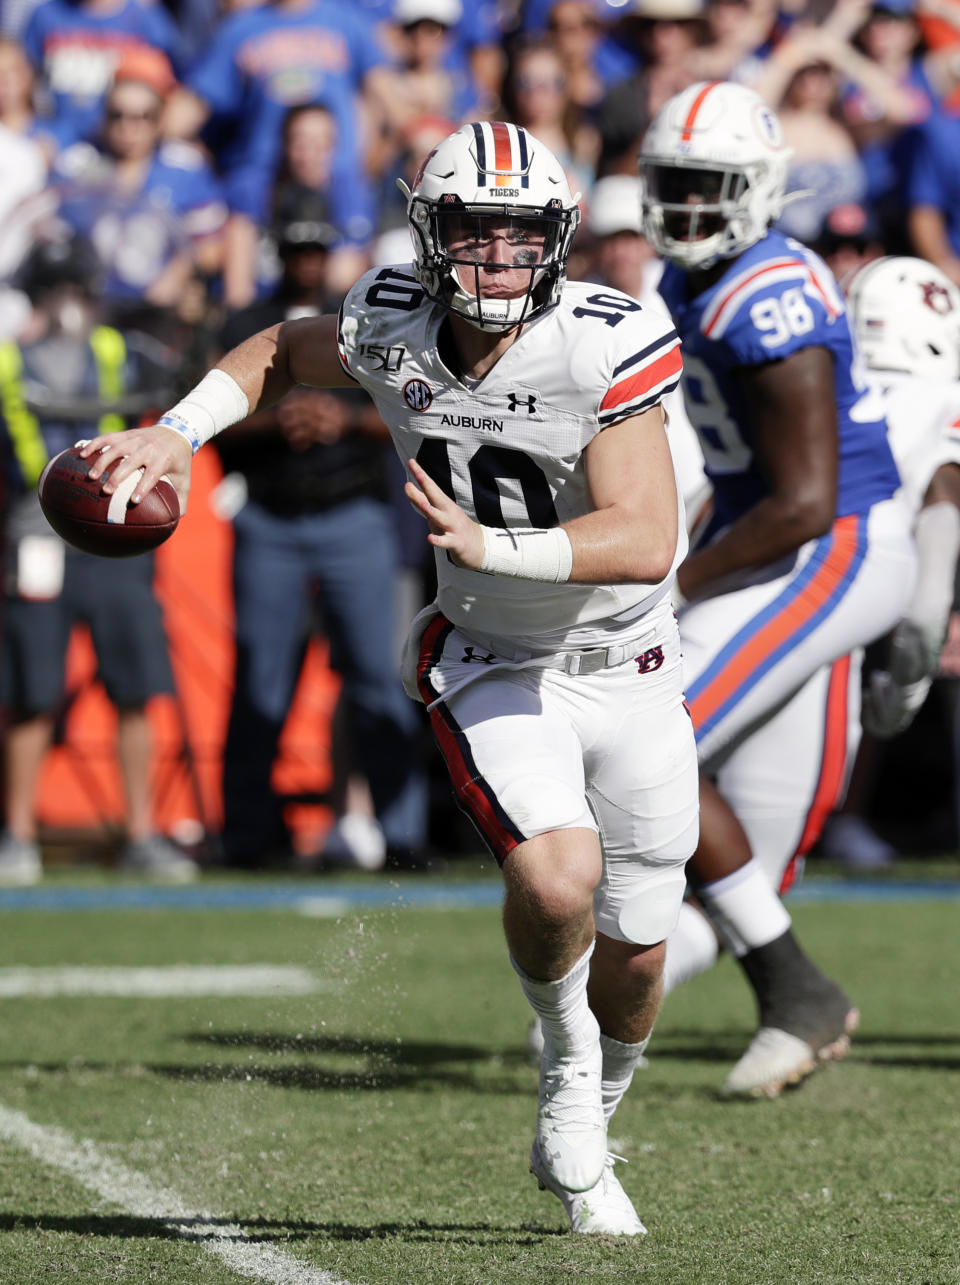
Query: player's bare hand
[310,416]
[160,452]
[450,527]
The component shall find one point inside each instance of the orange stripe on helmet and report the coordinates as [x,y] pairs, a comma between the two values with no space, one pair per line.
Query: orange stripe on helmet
[688,124]
[502,154]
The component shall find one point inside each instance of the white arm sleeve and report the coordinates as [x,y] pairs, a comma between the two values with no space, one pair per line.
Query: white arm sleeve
[937,537]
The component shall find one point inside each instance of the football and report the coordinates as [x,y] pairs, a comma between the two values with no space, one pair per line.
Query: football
[108,525]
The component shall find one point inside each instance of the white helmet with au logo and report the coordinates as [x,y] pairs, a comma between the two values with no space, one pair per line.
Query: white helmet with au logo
[906,315]
[490,208]
[713,166]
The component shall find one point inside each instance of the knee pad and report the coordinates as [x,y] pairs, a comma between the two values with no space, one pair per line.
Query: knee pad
[652,913]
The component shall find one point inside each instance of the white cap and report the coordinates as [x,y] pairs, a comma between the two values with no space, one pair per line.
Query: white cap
[668,10]
[615,206]
[446,12]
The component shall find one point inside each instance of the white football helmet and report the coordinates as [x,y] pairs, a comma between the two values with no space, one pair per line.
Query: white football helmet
[491,174]
[713,166]
[906,315]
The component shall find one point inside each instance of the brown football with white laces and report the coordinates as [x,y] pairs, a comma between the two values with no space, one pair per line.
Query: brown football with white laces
[110,526]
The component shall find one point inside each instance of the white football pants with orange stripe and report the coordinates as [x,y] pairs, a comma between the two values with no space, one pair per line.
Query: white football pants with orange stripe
[748,651]
[785,779]
[531,748]
[773,680]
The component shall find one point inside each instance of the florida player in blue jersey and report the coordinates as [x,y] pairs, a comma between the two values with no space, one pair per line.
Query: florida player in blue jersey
[807,553]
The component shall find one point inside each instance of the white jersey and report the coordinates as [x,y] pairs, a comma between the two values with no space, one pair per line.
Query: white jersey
[510,449]
[923,418]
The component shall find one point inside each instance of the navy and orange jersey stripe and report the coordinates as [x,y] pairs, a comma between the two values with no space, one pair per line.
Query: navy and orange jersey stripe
[473,793]
[805,603]
[833,769]
[643,379]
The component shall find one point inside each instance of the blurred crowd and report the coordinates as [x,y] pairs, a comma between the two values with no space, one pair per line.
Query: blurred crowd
[177,137]
[213,167]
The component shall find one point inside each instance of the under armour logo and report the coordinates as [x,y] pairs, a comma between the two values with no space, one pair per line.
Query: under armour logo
[651,659]
[515,402]
[469,655]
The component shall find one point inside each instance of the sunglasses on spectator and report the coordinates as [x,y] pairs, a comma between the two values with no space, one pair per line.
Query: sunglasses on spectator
[117,113]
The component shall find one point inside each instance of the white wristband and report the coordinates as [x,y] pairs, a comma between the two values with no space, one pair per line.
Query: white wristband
[213,405]
[528,555]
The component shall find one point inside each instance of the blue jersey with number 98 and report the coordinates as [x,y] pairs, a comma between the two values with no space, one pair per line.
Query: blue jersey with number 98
[775,299]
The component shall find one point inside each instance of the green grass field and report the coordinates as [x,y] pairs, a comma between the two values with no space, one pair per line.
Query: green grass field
[376,1130]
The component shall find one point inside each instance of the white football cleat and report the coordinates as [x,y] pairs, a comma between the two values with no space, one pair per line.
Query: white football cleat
[604,1210]
[571,1129]
[776,1060]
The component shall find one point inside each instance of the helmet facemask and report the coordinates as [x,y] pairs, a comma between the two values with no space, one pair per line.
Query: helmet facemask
[492,219]
[696,214]
[496,266]
[713,171]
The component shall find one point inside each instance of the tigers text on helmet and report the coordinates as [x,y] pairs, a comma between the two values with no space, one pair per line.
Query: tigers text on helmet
[906,316]
[492,219]
[713,166]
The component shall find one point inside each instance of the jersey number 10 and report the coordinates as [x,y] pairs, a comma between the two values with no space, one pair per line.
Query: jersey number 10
[488,466]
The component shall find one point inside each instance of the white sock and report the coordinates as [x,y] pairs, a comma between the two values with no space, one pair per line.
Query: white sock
[744,909]
[692,948]
[569,1027]
[619,1063]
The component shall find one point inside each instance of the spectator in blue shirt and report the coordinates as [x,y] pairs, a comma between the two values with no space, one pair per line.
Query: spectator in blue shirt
[477,42]
[433,77]
[153,211]
[264,61]
[933,192]
[76,47]
[305,170]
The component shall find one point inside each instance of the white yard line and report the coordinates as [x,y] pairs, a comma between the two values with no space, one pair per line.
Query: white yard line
[137,1195]
[159,983]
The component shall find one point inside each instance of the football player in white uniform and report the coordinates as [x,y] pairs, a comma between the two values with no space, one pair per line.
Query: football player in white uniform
[807,553]
[528,413]
[906,318]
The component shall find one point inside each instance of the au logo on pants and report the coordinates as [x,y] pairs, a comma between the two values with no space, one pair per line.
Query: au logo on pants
[651,659]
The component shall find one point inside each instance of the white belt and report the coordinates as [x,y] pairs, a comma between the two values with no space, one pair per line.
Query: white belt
[590,661]
[597,658]
[587,660]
